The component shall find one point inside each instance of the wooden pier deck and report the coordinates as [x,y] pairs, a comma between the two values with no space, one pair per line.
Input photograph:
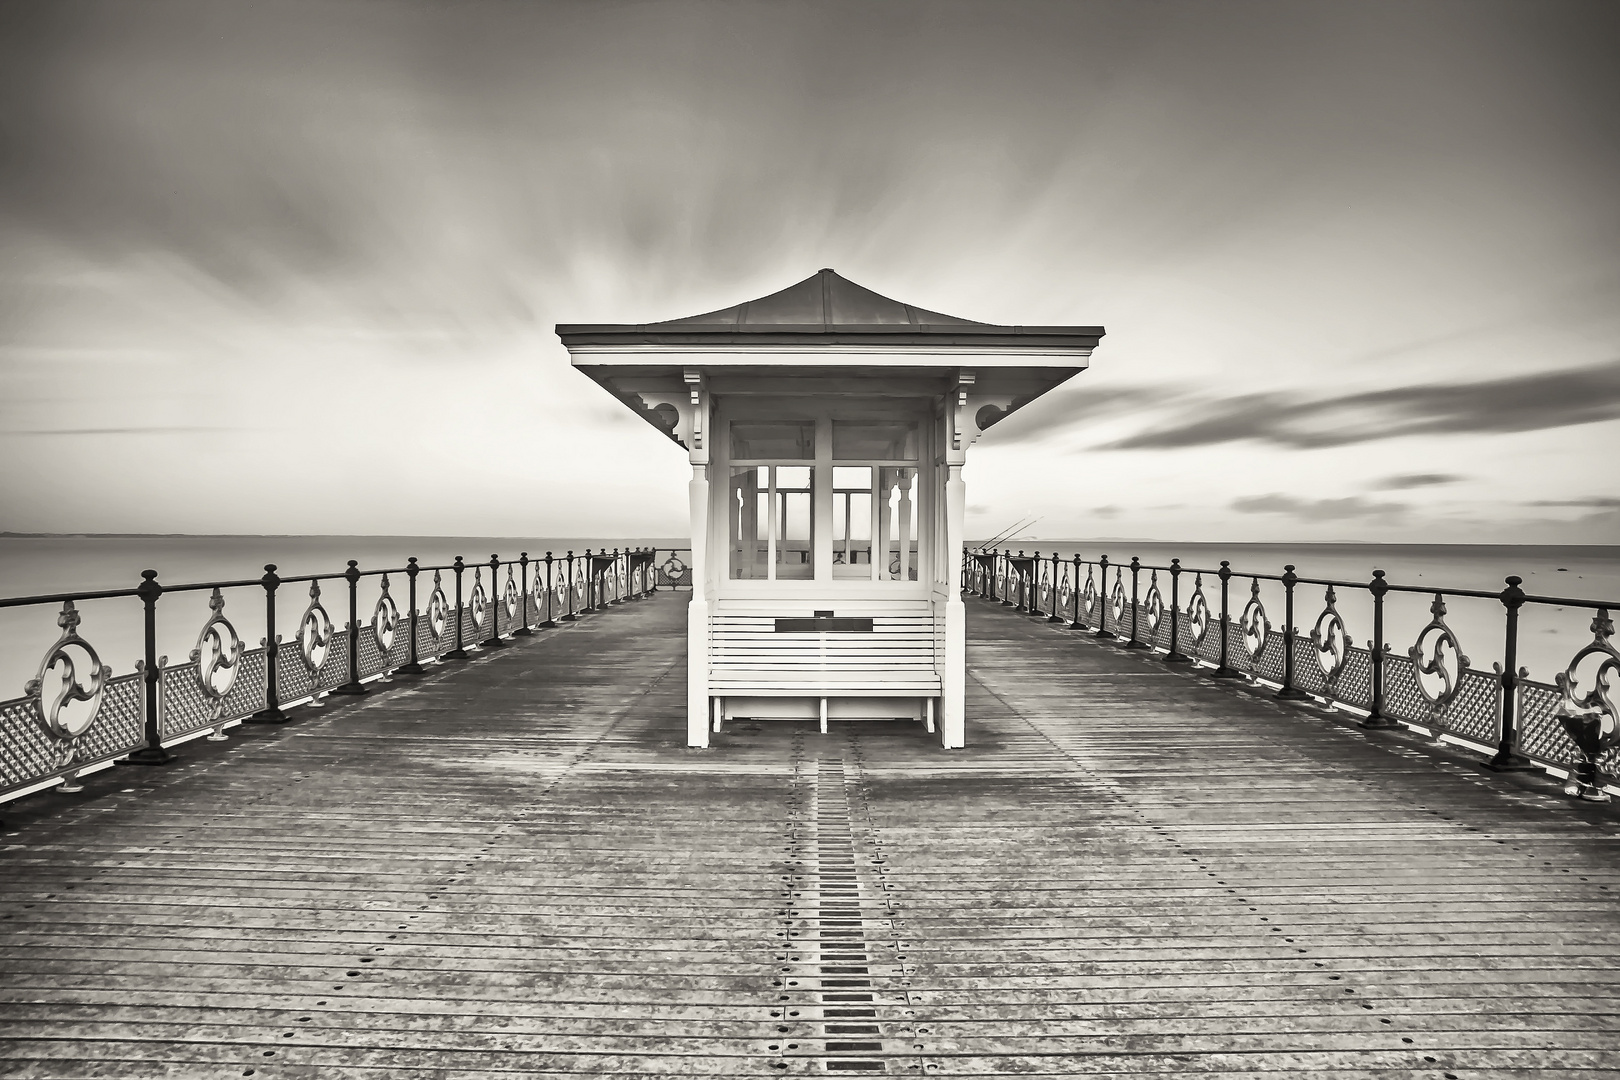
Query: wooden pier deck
[514,867]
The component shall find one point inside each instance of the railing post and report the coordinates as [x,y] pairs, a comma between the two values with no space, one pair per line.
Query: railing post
[354,685]
[460,651]
[1508,758]
[523,566]
[1289,691]
[1375,711]
[551,599]
[1225,670]
[1107,604]
[414,666]
[1053,615]
[571,616]
[1175,655]
[590,584]
[1074,592]
[1136,570]
[1007,576]
[271,713]
[497,604]
[152,753]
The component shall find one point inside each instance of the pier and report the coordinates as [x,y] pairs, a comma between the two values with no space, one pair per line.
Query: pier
[515,866]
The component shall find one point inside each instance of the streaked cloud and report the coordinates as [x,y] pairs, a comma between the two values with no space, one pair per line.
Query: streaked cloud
[1521,403]
[1407,481]
[1350,508]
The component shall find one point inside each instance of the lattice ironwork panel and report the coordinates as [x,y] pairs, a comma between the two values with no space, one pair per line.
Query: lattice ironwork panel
[1354,684]
[184,707]
[247,693]
[1183,632]
[1308,674]
[28,755]
[292,677]
[1474,712]
[1402,698]
[371,658]
[400,652]
[335,672]
[1269,664]
[1540,734]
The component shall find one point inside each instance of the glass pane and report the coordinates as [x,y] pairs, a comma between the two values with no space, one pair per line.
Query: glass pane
[748,525]
[852,521]
[794,558]
[897,522]
[874,440]
[792,440]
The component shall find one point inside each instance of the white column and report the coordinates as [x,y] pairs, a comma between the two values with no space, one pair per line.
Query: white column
[905,524]
[697,613]
[953,680]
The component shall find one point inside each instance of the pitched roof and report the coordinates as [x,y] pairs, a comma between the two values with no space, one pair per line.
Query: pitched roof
[825,308]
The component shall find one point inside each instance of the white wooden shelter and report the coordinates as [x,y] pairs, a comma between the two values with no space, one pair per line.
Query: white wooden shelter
[827,427]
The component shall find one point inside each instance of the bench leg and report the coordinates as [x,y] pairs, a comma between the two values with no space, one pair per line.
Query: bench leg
[929,712]
[719,706]
[824,716]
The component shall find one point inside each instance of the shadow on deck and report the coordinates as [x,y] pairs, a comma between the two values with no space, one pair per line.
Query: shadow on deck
[515,867]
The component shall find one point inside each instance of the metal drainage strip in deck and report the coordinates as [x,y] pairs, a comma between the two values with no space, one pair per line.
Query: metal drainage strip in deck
[827,974]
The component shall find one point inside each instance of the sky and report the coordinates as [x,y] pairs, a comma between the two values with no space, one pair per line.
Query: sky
[295,268]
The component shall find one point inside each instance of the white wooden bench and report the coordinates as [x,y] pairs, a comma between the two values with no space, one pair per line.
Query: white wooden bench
[881,656]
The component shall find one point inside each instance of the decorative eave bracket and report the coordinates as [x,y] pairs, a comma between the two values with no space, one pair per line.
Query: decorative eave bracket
[972,411]
[690,405]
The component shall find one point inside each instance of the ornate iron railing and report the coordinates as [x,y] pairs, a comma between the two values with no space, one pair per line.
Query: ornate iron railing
[1569,726]
[76,715]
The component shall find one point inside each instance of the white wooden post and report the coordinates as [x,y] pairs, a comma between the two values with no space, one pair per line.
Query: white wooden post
[697,613]
[953,680]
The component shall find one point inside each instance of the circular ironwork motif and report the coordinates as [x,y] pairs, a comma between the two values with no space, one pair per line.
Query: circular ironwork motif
[1438,656]
[1089,594]
[1331,639]
[1198,613]
[1119,596]
[218,651]
[509,594]
[477,603]
[438,611]
[1253,623]
[1154,605]
[385,620]
[314,631]
[57,690]
[672,569]
[1065,591]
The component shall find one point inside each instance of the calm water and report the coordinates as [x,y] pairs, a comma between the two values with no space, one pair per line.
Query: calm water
[1550,634]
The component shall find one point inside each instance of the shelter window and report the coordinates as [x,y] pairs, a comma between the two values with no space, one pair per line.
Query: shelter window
[771,523]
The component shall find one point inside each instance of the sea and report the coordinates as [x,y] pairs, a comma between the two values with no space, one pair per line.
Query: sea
[1549,633]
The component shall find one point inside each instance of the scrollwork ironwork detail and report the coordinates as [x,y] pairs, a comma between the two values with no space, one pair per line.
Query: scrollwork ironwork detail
[1331,640]
[1065,590]
[218,652]
[1254,626]
[56,690]
[1437,653]
[438,613]
[315,629]
[509,594]
[1089,595]
[384,620]
[1199,618]
[1153,607]
[1590,719]
[1117,603]
[477,602]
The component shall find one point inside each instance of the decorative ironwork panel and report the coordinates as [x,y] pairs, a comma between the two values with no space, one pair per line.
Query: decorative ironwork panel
[1402,698]
[28,755]
[1269,664]
[336,671]
[1354,685]
[185,708]
[247,695]
[293,679]
[1330,640]
[1090,602]
[1308,674]
[673,571]
[371,658]
[1541,736]
[1198,617]
[1152,613]
[1438,659]
[1473,713]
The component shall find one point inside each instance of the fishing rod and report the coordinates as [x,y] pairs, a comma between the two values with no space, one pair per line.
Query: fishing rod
[1006,534]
